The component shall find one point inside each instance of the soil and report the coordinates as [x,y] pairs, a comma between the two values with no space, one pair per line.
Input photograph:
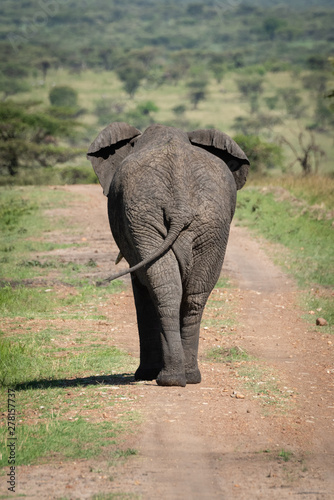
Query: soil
[220,439]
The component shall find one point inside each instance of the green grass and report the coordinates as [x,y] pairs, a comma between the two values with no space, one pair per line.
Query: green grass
[264,385]
[227,355]
[304,237]
[313,189]
[24,228]
[22,225]
[79,303]
[62,376]
[57,439]
[285,455]
[31,357]
[223,282]
[64,386]
[218,312]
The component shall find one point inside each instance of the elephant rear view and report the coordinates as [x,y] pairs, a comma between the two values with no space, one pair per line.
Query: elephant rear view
[171,199]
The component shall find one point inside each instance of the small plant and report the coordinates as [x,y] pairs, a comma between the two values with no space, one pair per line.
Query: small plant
[227,355]
[285,455]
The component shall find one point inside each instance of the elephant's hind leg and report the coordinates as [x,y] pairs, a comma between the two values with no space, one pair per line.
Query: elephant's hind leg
[149,327]
[191,315]
[164,282]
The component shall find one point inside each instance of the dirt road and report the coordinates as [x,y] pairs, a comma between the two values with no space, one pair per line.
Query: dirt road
[256,429]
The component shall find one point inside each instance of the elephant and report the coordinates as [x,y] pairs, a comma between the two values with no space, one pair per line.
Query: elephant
[171,199]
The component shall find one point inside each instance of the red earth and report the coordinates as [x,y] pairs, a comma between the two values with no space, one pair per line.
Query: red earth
[257,428]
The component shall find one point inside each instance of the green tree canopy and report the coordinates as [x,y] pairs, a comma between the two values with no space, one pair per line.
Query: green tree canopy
[197,90]
[261,154]
[131,72]
[12,79]
[29,139]
[63,96]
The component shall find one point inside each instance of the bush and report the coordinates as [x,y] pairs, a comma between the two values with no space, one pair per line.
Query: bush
[261,154]
[78,175]
[63,96]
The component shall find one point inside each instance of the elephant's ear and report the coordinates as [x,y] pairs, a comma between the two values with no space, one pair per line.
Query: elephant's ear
[223,146]
[109,149]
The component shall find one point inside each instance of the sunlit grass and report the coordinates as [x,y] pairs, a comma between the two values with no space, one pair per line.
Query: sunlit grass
[305,238]
[314,189]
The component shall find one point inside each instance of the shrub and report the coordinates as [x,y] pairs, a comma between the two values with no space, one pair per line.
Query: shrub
[63,96]
[261,154]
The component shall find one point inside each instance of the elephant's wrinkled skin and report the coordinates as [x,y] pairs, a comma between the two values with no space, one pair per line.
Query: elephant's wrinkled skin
[171,198]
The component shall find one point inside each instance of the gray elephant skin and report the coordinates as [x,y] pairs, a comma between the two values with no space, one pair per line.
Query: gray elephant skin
[171,199]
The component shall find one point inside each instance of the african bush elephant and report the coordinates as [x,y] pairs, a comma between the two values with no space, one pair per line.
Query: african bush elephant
[171,199]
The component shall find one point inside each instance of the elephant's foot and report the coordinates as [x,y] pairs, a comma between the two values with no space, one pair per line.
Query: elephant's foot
[169,379]
[193,377]
[147,373]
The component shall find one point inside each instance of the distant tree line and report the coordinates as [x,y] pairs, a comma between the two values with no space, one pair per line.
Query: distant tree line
[158,34]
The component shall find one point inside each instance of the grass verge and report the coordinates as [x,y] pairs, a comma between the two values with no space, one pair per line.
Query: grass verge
[69,397]
[23,227]
[304,238]
[72,391]
[66,302]
[258,380]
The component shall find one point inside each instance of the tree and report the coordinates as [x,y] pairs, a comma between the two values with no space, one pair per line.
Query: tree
[217,66]
[44,64]
[308,153]
[316,82]
[317,62]
[147,107]
[179,65]
[323,114]
[292,101]
[251,87]
[256,124]
[141,116]
[271,25]
[109,110]
[330,94]
[261,154]
[12,79]
[63,96]
[197,91]
[179,110]
[131,73]
[30,139]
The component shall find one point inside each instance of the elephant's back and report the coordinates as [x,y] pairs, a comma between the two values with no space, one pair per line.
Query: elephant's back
[175,179]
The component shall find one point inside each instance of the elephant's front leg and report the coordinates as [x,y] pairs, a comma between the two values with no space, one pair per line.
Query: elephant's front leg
[149,328]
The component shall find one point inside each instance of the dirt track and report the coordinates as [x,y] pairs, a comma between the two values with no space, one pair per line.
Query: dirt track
[200,442]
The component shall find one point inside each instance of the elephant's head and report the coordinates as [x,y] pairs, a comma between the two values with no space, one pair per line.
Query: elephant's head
[116,141]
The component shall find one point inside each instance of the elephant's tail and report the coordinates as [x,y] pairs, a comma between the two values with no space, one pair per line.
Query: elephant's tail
[174,231]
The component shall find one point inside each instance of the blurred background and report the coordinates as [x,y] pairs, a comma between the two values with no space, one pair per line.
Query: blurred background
[261,71]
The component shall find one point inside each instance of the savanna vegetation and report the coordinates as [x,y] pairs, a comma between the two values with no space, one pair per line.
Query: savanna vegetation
[61,412]
[260,71]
